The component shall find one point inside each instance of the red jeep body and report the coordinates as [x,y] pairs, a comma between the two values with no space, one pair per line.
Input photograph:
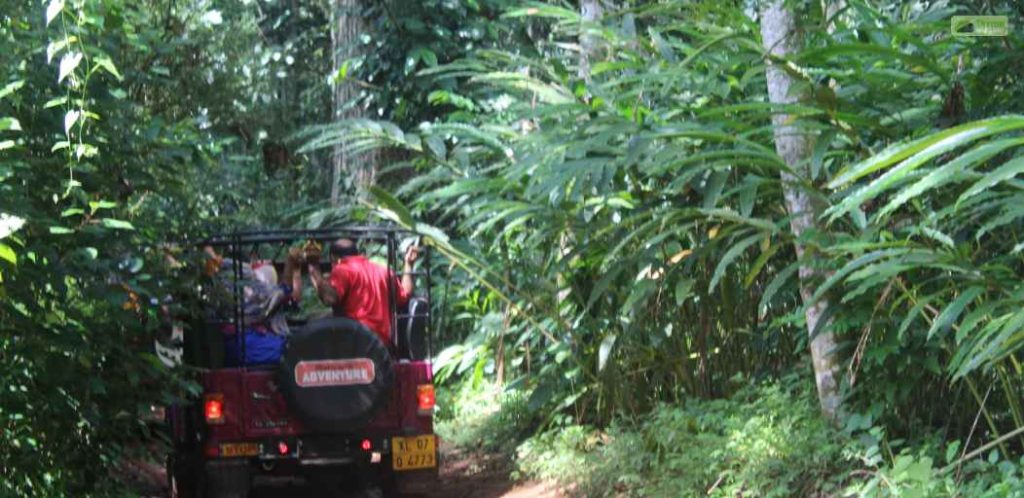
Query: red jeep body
[243,432]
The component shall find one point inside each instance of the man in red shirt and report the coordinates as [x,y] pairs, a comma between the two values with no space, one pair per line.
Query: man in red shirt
[358,287]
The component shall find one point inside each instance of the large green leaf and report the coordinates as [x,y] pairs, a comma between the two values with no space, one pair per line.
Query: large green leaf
[911,156]
[952,312]
[929,146]
[9,124]
[8,254]
[1003,173]
[735,250]
[392,207]
[950,172]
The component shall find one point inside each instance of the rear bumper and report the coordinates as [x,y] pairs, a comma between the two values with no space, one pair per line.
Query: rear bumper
[370,452]
[241,473]
[345,449]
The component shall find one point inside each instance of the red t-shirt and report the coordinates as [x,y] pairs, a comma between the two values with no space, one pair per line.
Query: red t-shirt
[362,288]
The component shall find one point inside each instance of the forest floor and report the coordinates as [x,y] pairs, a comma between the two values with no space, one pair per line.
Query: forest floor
[483,475]
[463,475]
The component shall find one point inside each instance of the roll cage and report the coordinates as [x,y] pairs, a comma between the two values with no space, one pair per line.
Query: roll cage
[239,245]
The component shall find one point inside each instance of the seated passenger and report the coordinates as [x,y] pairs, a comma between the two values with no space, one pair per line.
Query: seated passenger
[264,302]
[358,288]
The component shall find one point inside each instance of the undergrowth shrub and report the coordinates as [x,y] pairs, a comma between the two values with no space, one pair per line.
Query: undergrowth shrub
[565,455]
[482,416]
[918,471]
[766,440]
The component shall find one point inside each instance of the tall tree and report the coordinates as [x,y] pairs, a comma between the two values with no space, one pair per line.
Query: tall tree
[781,39]
[590,14]
[346,26]
[590,17]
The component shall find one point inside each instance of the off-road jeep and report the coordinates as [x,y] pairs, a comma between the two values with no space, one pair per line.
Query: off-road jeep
[340,410]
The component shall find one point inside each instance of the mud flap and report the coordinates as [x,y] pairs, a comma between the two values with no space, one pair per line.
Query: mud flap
[182,477]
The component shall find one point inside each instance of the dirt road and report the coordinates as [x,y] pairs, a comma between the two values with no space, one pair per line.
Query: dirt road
[463,475]
[484,476]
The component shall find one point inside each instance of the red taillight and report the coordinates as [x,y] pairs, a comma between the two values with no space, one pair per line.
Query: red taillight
[425,399]
[366,445]
[214,408]
[282,448]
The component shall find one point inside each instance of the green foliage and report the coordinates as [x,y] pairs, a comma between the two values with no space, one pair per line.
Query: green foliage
[618,245]
[575,224]
[408,36]
[483,417]
[632,224]
[917,472]
[564,455]
[108,154]
[765,440]
[969,196]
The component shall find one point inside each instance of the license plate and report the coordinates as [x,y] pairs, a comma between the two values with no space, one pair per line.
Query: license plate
[416,452]
[239,449]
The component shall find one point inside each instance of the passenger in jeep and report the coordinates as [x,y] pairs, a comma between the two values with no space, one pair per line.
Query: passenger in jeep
[264,304]
[358,288]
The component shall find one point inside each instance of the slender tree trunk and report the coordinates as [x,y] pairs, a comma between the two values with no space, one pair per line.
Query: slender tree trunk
[500,368]
[590,12]
[346,26]
[780,37]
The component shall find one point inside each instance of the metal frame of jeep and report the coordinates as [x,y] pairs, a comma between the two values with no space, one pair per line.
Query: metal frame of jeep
[241,431]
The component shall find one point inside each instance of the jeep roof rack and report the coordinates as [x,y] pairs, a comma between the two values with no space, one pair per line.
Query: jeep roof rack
[271,236]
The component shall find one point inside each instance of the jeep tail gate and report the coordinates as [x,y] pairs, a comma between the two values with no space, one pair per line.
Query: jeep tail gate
[339,409]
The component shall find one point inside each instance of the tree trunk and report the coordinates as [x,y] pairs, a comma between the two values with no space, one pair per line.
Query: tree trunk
[361,169]
[780,38]
[590,12]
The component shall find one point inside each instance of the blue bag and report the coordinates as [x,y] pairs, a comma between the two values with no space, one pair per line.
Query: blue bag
[261,348]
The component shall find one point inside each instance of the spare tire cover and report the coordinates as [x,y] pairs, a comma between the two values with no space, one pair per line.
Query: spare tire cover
[336,374]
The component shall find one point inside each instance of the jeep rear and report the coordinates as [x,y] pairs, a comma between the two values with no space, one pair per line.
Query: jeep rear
[341,409]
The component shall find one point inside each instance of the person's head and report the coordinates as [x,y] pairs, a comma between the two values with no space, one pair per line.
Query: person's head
[344,247]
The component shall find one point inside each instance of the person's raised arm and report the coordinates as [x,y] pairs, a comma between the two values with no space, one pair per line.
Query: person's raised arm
[323,288]
[293,273]
[213,261]
[408,282]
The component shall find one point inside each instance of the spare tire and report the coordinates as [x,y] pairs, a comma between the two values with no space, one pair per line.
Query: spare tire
[336,374]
